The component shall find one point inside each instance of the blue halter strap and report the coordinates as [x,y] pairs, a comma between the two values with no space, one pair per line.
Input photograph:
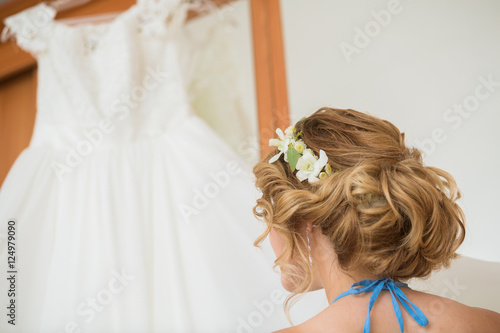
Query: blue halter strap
[396,294]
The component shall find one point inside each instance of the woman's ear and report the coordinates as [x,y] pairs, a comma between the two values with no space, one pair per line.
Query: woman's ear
[321,245]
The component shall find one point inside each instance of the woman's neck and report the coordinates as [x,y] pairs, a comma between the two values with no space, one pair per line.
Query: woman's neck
[327,272]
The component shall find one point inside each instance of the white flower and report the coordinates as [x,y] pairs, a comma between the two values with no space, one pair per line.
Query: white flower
[281,144]
[328,169]
[290,132]
[309,151]
[299,146]
[309,166]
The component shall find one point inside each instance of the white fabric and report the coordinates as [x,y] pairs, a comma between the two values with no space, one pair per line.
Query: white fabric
[131,214]
[216,57]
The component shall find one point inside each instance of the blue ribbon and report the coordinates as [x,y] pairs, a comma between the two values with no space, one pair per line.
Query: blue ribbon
[396,294]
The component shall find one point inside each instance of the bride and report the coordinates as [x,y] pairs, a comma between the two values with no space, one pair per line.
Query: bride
[351,210]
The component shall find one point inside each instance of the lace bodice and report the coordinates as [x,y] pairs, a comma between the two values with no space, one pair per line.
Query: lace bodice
[122,77]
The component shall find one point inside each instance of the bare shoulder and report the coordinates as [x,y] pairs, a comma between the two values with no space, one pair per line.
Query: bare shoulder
[490,320]
[310,326]
[444,315]
[334,318]
[293,329]
[448,315]
[316,324]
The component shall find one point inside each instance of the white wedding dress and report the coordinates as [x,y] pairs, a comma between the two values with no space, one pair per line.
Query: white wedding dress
[130,214]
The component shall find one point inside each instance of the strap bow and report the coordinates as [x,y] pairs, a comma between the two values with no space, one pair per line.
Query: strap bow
[396,295]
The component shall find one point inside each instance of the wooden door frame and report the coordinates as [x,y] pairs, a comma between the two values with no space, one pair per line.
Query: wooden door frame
[270,74]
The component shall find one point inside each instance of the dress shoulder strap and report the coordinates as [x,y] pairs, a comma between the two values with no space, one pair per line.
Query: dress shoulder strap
[30,27]
[396,295]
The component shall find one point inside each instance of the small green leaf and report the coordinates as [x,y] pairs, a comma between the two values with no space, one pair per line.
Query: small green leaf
[293,156]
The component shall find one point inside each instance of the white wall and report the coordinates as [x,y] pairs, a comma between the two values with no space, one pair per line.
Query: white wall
[413,70]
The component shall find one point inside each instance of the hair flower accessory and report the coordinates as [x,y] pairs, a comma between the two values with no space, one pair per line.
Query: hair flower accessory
[296,153]
[281,144]
[310,166]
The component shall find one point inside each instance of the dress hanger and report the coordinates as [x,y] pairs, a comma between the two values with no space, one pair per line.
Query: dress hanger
[201,6]
[62,5]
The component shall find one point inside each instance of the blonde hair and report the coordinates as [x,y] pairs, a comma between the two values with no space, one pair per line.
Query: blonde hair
[416,231]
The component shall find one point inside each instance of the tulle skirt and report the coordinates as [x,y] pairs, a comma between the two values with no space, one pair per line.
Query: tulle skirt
[155,236]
